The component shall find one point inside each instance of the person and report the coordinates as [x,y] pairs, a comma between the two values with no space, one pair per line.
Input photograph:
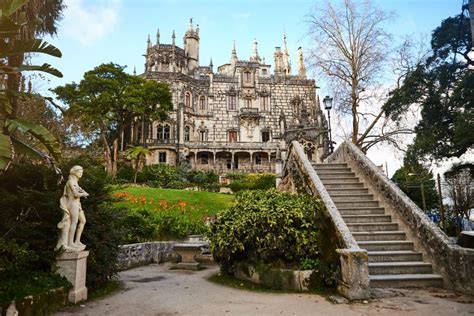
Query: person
[73,221]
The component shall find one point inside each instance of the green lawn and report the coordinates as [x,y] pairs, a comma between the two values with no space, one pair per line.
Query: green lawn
[150,198]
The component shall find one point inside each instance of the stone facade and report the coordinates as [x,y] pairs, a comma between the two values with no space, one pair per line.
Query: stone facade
[239,118]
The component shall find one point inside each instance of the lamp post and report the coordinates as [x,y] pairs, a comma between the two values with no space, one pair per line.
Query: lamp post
[328,106]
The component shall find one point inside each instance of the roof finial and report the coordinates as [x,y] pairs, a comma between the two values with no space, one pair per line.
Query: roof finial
[148,42]
[134,70]
[255,56]
[158,37]
[190,24]
[233,56]
[173,37]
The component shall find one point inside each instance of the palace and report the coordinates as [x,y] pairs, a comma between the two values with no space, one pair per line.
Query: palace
[239,118]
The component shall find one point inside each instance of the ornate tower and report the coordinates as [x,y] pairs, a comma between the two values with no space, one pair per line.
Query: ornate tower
[191,46]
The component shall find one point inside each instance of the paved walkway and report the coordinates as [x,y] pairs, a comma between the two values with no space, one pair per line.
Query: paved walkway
[155,290]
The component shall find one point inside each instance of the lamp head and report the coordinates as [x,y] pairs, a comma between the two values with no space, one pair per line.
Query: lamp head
[327,102]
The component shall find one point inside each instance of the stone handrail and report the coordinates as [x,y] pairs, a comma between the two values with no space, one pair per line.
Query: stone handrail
[318,189]
[454,263]
[354,283]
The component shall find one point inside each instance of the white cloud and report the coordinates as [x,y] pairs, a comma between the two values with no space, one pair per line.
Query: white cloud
[89,21]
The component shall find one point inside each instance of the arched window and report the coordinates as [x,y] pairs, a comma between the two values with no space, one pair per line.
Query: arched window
[202,103]
[187,133]
[247,76]
[265,103]
[166,132]
[188,99]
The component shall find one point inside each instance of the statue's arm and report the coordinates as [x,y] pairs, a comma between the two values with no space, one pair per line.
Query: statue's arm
[77,190]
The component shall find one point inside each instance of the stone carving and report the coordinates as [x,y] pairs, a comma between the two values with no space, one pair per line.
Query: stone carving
[73,221]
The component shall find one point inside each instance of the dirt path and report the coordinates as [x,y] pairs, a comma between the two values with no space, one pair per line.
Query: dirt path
[155,290]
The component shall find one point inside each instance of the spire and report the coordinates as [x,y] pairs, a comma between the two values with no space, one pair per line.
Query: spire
[158,37]
[301,67]
[173,38]
[233,56]
[197,28]
[134,70]
[286,57]
[148,42]
[255,56]
[190,24]
[211,64]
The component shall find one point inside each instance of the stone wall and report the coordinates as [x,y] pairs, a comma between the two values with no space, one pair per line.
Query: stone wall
[454,263]
[134,255]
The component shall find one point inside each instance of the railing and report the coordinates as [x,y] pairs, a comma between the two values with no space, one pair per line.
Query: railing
[454,263]
[151,141]
[298,171]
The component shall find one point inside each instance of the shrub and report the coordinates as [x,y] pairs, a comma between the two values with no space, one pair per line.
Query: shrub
[125,173]
[264,181]
[266,227]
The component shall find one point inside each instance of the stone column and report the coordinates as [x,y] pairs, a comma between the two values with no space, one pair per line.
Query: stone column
[73,266]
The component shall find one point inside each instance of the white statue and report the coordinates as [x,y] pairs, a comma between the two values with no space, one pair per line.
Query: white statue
[73,221]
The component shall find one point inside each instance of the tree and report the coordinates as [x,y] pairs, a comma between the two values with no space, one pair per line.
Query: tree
[137,153]
[443,87]
[17,29]
[108,100]
[351,49]
[417,182]
[460,183]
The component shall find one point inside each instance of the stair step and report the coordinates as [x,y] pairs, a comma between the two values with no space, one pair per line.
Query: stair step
[374,236]
[406,280]
[343,186]
[339,175]
[329,165]
[346,204]
[372,227]
[361,210]
[386,245]
[336,191]
[346,180]
[342,197]
[367,218]
[394,256]
[402,267]
[335,171]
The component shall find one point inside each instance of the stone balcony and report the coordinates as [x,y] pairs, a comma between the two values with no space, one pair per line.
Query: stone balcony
[236,146]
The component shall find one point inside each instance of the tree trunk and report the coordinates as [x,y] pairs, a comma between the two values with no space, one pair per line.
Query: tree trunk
[107,153]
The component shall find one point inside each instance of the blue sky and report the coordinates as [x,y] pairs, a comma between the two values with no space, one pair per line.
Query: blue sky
[98,31]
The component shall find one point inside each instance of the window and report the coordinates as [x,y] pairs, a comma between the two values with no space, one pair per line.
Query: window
[166,132]
[232,136]
[247,76]
[264,72]
[232,102]
[162,157]
[159,131]
[203,135]
[187,99]
[229,163]
[265,136]
[202,103]
[265,102]
[248,103]
[187,132]
[258,159]
[204,159]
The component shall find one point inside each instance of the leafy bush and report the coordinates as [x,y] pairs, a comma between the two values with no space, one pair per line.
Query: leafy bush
[125,173]
[266,227]
[264,181]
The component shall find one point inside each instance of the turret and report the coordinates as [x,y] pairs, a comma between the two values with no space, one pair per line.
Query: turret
[255,57]
[278,57]
[191,46]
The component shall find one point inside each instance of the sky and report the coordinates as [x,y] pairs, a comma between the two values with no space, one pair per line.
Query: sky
[101,31]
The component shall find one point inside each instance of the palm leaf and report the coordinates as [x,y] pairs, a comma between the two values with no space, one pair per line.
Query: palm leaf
[43,68]
[29,46]
[39,132]
[10,7]
[25,149]
[5,151]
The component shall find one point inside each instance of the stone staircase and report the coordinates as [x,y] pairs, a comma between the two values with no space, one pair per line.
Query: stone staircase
[393,261]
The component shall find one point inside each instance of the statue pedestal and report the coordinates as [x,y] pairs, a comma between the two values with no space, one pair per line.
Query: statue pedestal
[73,265]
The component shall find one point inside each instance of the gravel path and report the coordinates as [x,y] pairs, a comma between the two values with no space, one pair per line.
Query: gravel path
[155,290]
